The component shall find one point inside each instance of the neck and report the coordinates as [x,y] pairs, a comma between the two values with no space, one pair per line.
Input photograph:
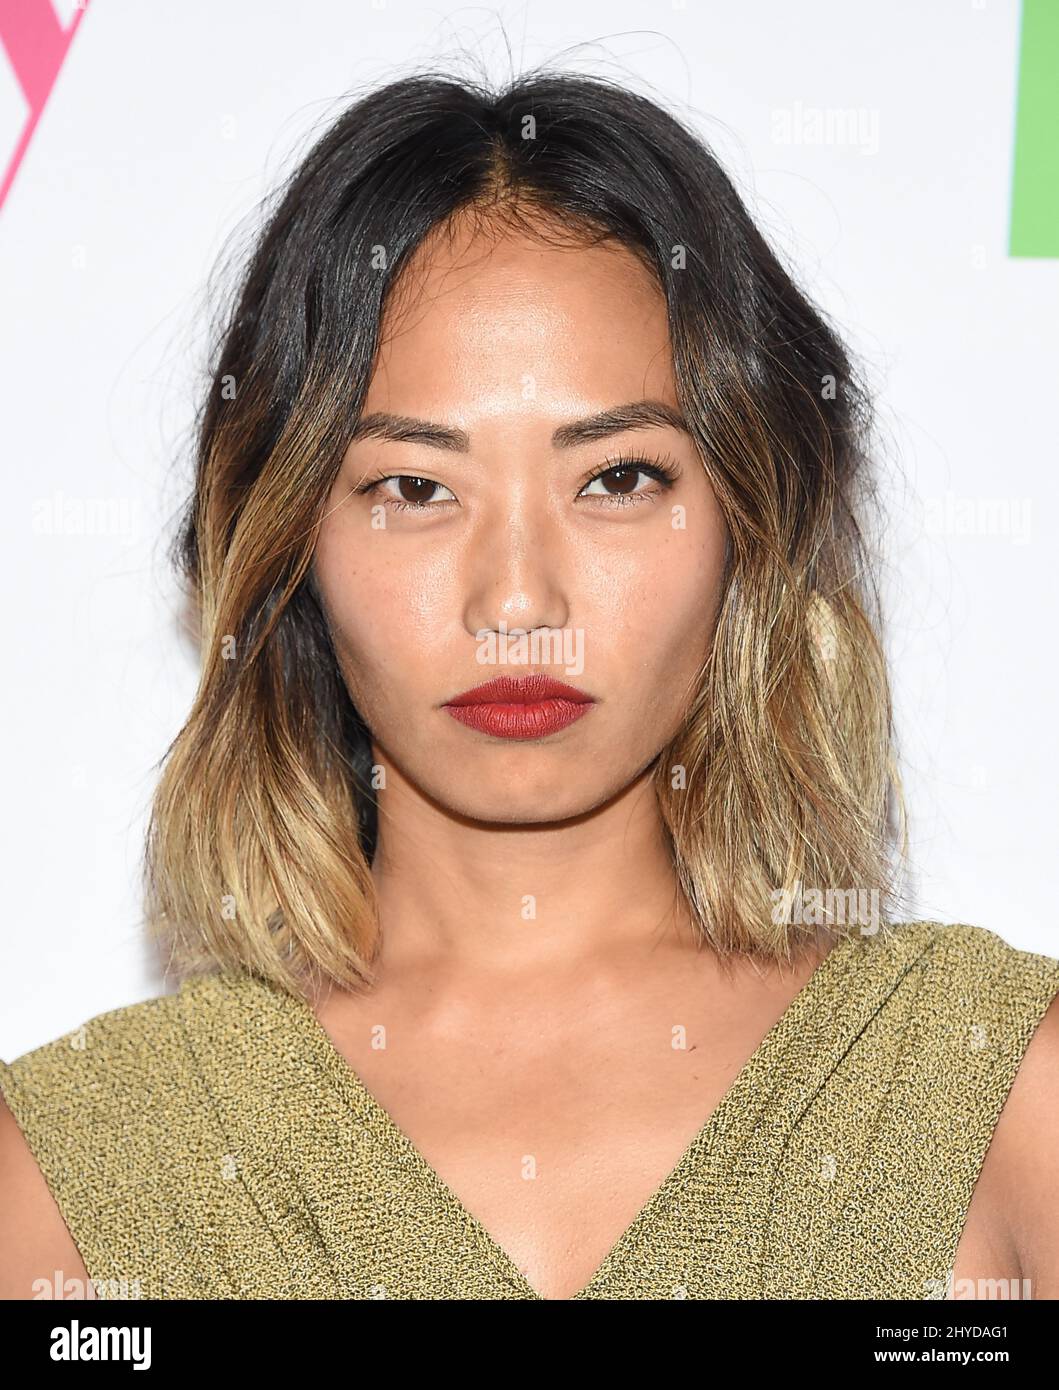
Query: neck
[455,893]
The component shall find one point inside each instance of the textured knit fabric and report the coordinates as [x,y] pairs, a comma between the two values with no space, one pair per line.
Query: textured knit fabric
[213,1143]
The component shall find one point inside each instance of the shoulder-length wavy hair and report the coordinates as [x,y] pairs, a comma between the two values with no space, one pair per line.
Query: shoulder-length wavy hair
[782,779]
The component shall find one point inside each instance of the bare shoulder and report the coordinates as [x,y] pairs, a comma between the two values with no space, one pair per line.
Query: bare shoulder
[1021,1170]
[33,1234]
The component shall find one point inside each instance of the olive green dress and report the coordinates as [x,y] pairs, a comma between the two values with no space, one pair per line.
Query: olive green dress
[213,1143]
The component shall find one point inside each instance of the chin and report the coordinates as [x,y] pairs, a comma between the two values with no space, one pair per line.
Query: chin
[515,796]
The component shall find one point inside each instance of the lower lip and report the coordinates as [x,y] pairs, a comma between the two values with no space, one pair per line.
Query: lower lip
[536,720]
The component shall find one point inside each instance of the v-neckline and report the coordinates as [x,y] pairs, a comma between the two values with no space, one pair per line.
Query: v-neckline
[360,1100]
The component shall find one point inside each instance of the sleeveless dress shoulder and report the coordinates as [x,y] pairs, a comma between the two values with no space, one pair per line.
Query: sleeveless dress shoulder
[213,1143]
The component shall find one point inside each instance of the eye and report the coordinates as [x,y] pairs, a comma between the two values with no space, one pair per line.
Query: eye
[623,482]
[408,491]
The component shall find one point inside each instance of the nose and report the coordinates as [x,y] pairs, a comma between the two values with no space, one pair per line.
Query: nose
[514,574]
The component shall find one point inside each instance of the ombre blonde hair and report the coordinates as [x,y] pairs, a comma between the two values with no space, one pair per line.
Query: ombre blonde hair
[782,779]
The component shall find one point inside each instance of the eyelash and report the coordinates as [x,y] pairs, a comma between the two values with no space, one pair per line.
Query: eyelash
[663,470]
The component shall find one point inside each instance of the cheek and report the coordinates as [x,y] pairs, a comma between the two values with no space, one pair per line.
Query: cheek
[387,610]
[654,608]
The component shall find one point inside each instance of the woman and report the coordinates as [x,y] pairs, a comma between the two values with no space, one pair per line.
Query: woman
[527,856]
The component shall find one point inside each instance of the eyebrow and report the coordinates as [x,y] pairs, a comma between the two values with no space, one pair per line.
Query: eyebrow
[636,415]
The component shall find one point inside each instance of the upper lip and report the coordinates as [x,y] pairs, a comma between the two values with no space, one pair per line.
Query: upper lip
[520,690]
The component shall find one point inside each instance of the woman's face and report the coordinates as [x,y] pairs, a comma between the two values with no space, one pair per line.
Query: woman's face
[490,510]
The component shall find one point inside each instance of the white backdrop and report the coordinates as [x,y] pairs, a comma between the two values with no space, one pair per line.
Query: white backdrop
[166,125]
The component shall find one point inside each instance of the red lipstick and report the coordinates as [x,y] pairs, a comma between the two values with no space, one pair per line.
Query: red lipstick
[531,706]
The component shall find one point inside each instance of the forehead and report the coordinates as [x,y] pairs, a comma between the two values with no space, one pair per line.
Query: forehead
[508,318]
